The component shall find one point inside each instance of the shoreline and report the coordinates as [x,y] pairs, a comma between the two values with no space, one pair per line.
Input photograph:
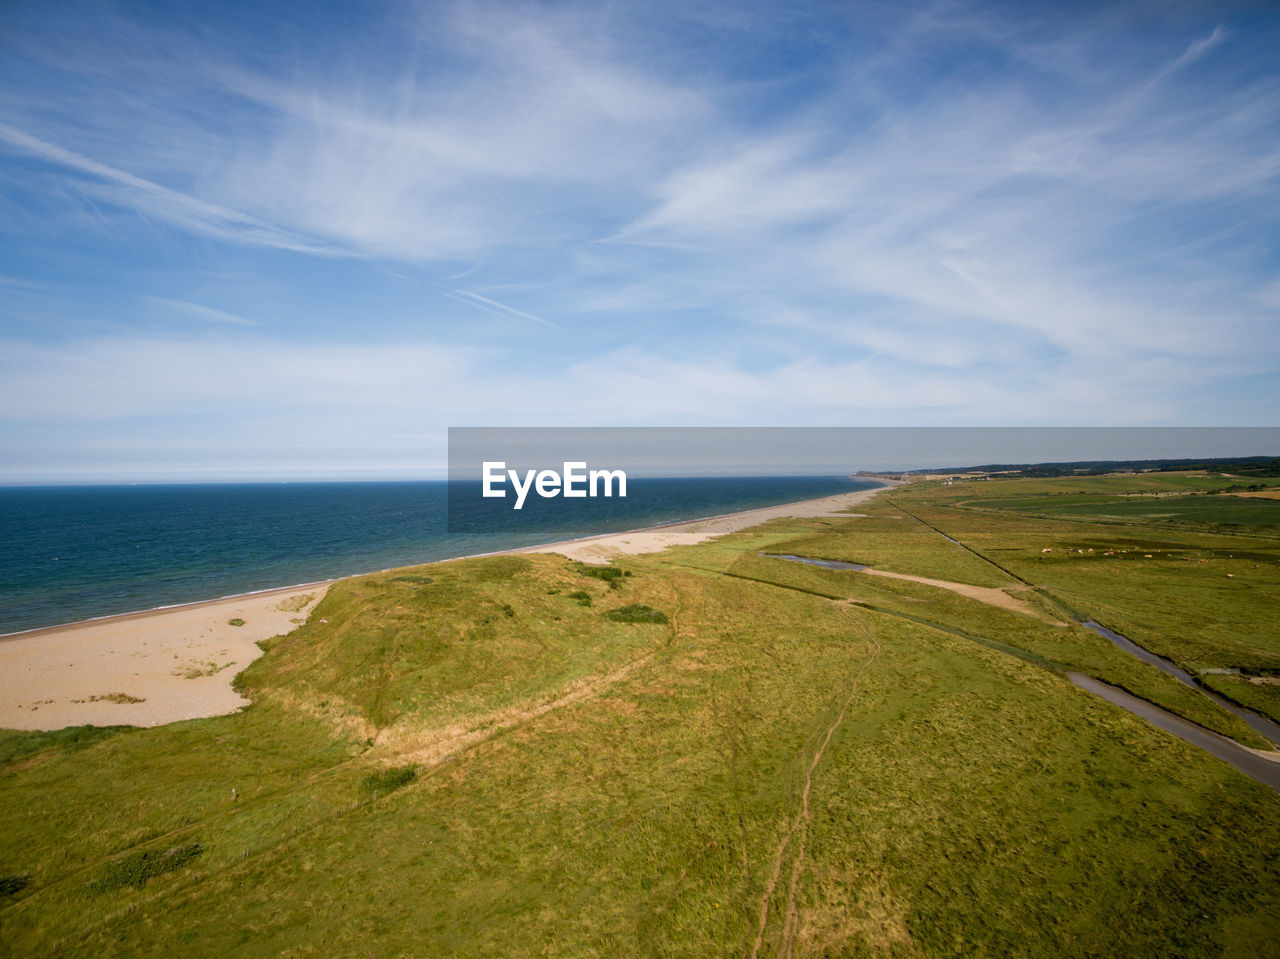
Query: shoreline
[176,662]
[549,547]
[601,548]
[147,668]
[171,607]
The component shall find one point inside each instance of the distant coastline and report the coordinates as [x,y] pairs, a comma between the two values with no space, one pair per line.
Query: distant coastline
[81,555]
[177,662]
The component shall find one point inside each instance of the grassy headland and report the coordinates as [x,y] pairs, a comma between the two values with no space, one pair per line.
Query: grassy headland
[472,759]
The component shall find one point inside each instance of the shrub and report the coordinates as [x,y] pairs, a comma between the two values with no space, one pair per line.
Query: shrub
[387,780]
[583,597]
[12,885]
[610,574]
[235,622]
[637,613]
[138,867]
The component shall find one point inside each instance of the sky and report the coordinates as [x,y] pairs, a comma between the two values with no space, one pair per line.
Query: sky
[273,240]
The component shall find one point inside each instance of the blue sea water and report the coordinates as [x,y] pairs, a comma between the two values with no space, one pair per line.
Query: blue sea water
[74,553]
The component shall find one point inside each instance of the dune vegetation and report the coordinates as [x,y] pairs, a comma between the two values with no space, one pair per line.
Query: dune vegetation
[707,752]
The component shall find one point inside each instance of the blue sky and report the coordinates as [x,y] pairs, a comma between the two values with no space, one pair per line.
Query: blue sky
[282,240]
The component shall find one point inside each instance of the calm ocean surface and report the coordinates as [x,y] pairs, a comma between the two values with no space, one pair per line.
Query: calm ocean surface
[73,553]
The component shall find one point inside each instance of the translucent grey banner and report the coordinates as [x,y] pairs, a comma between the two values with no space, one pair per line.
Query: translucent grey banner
[553,479]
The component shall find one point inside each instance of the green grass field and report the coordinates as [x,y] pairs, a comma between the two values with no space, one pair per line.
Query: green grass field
[471,759]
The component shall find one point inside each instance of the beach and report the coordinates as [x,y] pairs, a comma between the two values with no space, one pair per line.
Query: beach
[653,539]
[144,669]
[171,664]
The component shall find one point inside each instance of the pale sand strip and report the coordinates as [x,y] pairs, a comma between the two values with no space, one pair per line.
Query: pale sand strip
[48,677]
[983,594]
[601,549]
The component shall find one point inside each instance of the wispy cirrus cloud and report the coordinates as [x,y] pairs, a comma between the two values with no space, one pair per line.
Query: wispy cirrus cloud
[980,207]
[124,189]
[466,296]
[199,311]
[940,212]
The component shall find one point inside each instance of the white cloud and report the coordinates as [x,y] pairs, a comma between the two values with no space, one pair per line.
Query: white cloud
[885,228]
[469,297]
[202,312]
[125,189]
[534,120]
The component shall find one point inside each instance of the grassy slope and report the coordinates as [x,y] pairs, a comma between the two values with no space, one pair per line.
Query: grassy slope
[967,799]
[1201,594]
[1188,611]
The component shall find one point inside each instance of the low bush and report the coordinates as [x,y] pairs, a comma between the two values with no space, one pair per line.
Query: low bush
[610,574]
[637,613]
[386,780]
[137,868]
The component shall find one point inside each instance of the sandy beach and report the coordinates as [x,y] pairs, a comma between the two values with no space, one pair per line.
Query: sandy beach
[653,539]
[143,669]
[165,665]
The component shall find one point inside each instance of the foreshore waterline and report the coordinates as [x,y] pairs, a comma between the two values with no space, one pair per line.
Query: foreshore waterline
[172,607]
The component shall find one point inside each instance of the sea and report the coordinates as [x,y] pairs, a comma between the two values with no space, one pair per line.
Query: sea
[71,553]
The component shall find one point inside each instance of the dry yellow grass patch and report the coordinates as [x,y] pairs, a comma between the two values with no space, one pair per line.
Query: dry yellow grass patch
[852,917]
[429,747]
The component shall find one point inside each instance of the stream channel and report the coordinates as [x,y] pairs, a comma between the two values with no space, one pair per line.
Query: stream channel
[1248,761]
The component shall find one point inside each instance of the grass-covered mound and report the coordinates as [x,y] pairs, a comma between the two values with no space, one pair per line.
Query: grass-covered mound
[478,635]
